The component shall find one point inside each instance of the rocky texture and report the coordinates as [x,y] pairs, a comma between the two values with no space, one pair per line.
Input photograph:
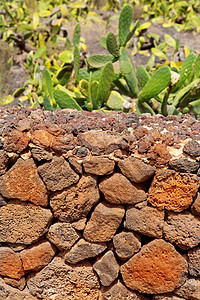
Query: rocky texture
[107,268]
[119,190]
[184,164]
[98,165]
[10,263]
[192,148]
[16,141]
[182,229]
[23,223]
[57,174]
[190,289]
[16,283]
[41,154]
[22,182]
[63,235]
[136,170]
[75,202]
[195,208]
[9,293]
[74,282]
[83,250]
[4,160]
[35,257]
[126,244]
[147,220]
[104,222]
[157,268]
[172,190]
[194,261]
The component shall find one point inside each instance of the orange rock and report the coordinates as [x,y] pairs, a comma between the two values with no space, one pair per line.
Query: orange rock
[10,263]
[157,268]
[172,190]
[16,141]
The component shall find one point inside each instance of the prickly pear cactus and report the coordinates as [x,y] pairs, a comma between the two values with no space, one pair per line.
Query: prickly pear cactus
[99,60]
[84,87]
[186,69]
[156,84]
[76,63]
[112,45]
[142,76]
[106,79]
[77,34]
[125,20]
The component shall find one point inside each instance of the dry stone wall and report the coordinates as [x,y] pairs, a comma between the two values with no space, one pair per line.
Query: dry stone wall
[99,206]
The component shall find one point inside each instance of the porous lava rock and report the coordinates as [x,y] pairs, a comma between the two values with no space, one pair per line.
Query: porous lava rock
[4,160]
[16,141]
[10,263]
[190,289]
[10,293]
[157,268]
[192,148]
[172,190]
[195,208]
[119,190]
[23,223]
[22,182]
[75,202]
[184,164]
[59,280]
[194,261]
[98,165]
[104,222]
[126,244]
[136,170]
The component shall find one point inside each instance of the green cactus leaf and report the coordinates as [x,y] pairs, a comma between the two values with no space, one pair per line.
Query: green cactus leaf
[186,69]
[125,67]
[102,42]
[142,76]
[84,87]
[76,63]
[64,74]
[184,91]
[99,60]
[46,81]
[131,33]
[112,45]
[130,78]
[85,74]
[195,103]
[47,104]
[115,101]
[171,110]
[94,92]
[145,108]
[106,79]
[65,101]
[125,20]
[197,68]
[77,34]
[156,84]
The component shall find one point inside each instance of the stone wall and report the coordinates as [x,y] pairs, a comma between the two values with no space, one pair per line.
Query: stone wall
[99,206]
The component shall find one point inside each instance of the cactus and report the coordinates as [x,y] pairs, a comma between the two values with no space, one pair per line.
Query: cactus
[142,76]
[84,87]
[112,45]
[197,67]
[76,34]
[99,60]
[46,82]
[125,20]
[106,79]
[64,100]
[76,63]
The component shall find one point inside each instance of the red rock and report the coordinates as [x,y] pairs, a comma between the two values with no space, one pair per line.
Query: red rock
[98,165]
[119,190]
[16,141]
[157,268]
[10,263]
[172,190]
[159,155]
[195,208]
[22,182]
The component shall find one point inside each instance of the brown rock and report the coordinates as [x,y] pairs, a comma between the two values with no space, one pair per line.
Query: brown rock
[182,229]
[75,202]
[63,235]
[104,222]
[190,289]
[98,165]
[83,250]
[16,283]
[59,280]
[107,268]
[23,223]
[102,141]
[157,268]
[4,159]
[126,244]
[76,165]
[136,170]
[195,208]
[159,155]
[10,263]
[10,293]
[42,138]
[184,164]
[172,190]
[147,220]
[119,190]
[118,291]
[194,261]
[80,224]
[37,256]
[57,174]
[22,182]
[192,148]
[41,154]
[16,141]
[168,296]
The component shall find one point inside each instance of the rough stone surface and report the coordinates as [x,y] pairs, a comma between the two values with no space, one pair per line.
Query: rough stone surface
[119,190]
[22,182]
[104,222]
[4,159]
[194,261]
[80,224]
[126,244]
[10,263]
[182,229]
[75,202]
[98,165]
[83,250]
[57,174]
[10,293]
[16,283]
[147,220]
[63,235]
[23,223]
[118,291]
[74,282]
[168,296]
[184,164]
[157,268]
[192,148]
[41,154]
[172,190]
[76,165]
[37,256]
[107,268]
[195,208]
[16,141]
[2,201]
[190,289]
[136,170]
